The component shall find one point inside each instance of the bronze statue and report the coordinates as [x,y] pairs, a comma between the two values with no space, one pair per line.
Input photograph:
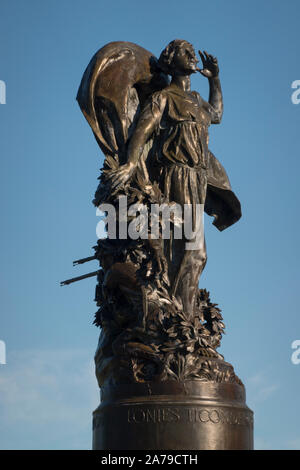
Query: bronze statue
[157,326]
[179,120]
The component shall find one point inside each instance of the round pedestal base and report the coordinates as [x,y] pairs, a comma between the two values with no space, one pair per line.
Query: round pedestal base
[192,415]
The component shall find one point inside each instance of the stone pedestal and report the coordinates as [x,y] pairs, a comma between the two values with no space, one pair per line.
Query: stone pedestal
[191,415]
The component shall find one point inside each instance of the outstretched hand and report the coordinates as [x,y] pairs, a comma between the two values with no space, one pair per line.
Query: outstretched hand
[121,176]
[210,65]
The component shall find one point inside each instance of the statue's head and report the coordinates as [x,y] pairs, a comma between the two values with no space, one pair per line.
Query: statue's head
[178,58]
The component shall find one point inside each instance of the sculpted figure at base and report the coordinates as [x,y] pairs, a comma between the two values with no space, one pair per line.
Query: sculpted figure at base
[156,324]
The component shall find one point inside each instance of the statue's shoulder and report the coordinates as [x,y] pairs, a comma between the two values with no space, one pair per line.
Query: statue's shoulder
[166,94]
[159,98]
[160,94]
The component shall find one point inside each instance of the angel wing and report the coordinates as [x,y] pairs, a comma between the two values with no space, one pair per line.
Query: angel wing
[115,85]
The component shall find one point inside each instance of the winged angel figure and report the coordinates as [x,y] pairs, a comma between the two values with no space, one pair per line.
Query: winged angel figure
[153,131]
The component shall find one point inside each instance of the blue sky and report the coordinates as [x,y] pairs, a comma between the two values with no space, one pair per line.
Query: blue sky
[49,167]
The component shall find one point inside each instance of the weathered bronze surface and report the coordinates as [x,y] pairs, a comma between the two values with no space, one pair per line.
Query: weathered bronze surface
[164,385]
[189,415]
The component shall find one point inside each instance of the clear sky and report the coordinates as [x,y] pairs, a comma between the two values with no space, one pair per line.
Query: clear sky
[49,167]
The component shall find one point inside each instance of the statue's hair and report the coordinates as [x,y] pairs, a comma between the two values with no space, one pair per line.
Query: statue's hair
[166,57]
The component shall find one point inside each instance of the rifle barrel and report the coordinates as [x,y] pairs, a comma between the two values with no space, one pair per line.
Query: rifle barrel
[83,260]
[79,278]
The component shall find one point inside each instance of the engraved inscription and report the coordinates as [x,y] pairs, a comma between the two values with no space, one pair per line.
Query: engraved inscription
[199,415]
[153,415]
[203,415]
[189,415]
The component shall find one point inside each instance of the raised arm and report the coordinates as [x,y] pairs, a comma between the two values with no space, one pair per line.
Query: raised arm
[211,71]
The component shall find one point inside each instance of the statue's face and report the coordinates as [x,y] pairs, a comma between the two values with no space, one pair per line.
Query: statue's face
[185,60]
